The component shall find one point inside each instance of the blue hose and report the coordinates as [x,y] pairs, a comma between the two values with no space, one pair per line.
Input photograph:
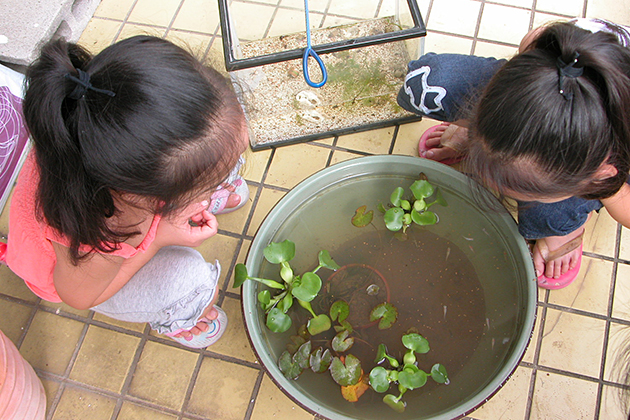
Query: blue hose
[309,51]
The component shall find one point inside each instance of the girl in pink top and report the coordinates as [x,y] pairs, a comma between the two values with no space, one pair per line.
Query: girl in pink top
[134,149]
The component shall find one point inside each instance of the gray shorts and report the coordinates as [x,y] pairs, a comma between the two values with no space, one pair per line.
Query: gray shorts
[170,292]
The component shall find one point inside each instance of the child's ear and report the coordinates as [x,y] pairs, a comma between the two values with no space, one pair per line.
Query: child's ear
[605,171]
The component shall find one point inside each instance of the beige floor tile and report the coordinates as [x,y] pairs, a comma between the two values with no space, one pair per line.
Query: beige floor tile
[268,199]
[340,156]
[617,367]
[196,44]
[99,34]
[215,58]
[163,374]
[614,404]
[104,358]
[519,3]
[288,21]
[133,326]
[12,285]
[114,9]
[235,221]
[617,11]
[313,5]
[62,307]
[541,18]
[375,141]
[292,164]
[409,135]
[328,141]
[562,397]
[332,20]
[255,165]
[50,389]
[242,256]
[151,12]
[347,8]
[488,49]
[624,249]
[130,29]
[510,402]
[222,248]
[505,24]
[13,319]
[531,348]
[601,231]
[219,382]
[131,411]
[272,403]
[561,7]
[590,291]
[250,20]
[50,342]
[199,16]
[572,342]
[456,16]
[234,342]
[78,403]
[621,301]
[441,43]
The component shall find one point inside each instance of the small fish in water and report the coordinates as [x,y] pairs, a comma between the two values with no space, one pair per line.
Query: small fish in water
[373,290]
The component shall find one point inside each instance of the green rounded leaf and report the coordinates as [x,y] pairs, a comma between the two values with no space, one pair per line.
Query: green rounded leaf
[379,379]
[362,218]
[285,303]
[416,342]
[264,298]
[278,252]
[407,219]
[341,342]
[409,358]
[396,196]
[394,403]
[301,357]
[394,219]
[420,205]
[421,189]
[339,310]
[348,373]
[278,321]
[286,272]
[319,324]
[326,261]
[288,367]
[240,275]
[412,380]
[320,360]
[386,313]
[405,205]
[439,375]
[425,218]
[308,287]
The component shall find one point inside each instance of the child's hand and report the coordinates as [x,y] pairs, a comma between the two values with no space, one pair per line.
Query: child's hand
[190,228]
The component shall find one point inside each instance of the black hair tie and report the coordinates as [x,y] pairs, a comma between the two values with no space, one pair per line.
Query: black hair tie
[83,85]
[568,70]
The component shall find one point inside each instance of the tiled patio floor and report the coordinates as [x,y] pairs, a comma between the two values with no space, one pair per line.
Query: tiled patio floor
[95,368]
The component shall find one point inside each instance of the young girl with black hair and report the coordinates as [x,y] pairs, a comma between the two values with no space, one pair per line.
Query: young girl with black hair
[550,129]
[134,149]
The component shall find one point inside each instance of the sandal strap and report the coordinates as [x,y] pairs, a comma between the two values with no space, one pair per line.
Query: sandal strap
[548,255]
[447,139]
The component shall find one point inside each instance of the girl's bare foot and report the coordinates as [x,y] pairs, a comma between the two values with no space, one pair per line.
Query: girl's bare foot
[566,247]
[447,141]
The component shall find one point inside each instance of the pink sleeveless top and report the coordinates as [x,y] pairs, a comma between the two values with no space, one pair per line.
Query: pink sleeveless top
[30,253]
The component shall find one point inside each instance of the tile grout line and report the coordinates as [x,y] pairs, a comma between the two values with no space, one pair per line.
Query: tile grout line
[254,395]
[191,385]
[124,22]
[170,24]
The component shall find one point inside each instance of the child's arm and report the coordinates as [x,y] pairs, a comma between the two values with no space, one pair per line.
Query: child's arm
[618,205]
[100,276]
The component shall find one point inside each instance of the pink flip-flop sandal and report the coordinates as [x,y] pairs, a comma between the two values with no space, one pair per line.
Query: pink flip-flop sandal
[219,198]
[567,278]
[216,328]
[422,146]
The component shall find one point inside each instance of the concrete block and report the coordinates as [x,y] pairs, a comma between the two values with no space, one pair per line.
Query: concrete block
[27,24]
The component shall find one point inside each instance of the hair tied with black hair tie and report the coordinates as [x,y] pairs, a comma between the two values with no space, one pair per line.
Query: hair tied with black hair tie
[83,85]
[568,70]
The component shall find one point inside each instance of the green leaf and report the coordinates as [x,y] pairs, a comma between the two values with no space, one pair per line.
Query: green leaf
[381,355]
[379,379]
[362,218]
[295,342]
[290,369]
[277,253]
[301,357]
[412,379]
[416,342]
[423,219]
[346,374]
[421,189]
[286,303]
[381,208]
[405,205]
[319,324]
[439,375]
[439,199]
[394,403]
[394,219]
[264,298]
[406,219]
[308,287]
[320,360]
[341,342]
[420,205]
[278,321]
[339,310]
[396,196]
[326,261]
[386,312]
[240,275]
[286,272]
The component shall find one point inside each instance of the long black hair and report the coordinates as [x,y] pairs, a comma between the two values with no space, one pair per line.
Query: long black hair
[540,134]
[167,129]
